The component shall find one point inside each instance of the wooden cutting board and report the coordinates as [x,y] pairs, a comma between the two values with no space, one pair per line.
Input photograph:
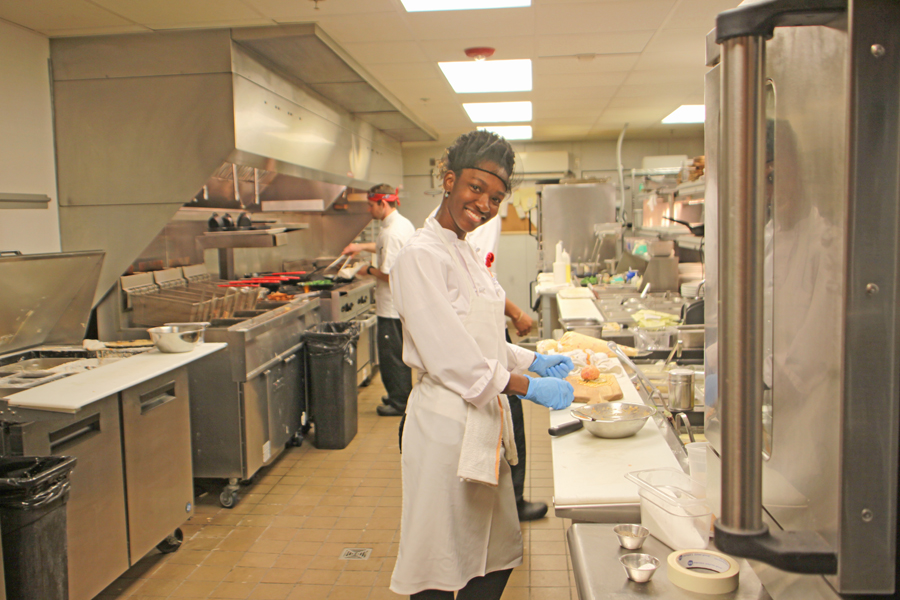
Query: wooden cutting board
[603,389]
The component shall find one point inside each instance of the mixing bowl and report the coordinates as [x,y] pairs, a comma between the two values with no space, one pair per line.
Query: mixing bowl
[613,419]
[631,537]
[178,337]
[639,567]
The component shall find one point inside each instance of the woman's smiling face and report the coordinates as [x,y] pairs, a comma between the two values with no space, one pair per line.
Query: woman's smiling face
[475,197]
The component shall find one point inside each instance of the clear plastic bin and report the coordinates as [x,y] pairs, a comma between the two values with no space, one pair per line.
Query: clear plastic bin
[670,509]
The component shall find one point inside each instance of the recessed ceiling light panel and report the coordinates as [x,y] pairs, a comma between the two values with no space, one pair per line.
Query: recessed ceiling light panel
[687,113]
[498,112]
[511,132]
[434,5]
[480,76]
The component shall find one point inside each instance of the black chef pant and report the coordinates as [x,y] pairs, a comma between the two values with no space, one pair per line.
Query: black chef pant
[395,375]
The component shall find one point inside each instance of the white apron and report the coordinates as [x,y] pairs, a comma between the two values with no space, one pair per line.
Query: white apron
[452,530]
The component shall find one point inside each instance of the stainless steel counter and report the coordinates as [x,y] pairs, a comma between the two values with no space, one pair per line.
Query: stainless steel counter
[595,553]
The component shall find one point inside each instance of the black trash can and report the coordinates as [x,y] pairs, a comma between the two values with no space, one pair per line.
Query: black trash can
[331,362]
[33,496]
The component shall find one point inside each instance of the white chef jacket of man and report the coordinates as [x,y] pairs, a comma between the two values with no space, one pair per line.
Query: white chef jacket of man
[395,232]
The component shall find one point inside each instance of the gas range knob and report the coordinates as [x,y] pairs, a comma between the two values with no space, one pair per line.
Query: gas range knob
[362,300]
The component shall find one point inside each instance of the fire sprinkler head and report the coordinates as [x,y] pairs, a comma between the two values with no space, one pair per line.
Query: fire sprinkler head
[479,53]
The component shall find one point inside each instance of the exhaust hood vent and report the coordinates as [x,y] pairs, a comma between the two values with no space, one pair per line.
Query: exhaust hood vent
[145,121]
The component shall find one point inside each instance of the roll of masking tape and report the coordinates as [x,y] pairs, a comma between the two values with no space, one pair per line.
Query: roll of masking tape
[703,571]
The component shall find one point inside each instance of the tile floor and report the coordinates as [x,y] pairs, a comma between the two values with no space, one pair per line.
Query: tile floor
[284,538]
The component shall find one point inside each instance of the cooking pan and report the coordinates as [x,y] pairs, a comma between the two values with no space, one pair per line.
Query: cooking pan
[697,230]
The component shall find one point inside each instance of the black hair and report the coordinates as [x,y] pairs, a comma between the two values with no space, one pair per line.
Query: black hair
[473,148]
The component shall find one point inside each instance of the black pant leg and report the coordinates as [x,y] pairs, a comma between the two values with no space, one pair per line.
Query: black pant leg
[518,423]
[489,587]
[432,595]
[396,376]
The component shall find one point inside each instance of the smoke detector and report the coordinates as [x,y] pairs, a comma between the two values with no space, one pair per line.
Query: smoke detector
[479,53]
[317,3]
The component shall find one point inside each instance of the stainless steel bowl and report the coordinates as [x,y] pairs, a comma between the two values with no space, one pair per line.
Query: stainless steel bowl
[639,567]
[631,537]
[178,337]
[613,419]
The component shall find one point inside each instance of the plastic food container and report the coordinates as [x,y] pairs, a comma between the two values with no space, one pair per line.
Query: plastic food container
[671,510]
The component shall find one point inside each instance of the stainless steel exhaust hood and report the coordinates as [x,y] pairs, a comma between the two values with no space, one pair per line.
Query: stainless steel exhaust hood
[144,121]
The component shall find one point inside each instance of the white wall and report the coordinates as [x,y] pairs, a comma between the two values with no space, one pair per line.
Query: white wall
[26,141]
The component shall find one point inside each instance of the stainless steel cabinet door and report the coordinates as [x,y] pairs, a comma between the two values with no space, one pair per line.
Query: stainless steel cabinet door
[156,433]
[96,521]
[284,401]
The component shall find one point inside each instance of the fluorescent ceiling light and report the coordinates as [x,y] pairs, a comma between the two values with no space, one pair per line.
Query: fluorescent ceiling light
[473,76]
[510,132]
[498,112]
[429,5]
[687,113]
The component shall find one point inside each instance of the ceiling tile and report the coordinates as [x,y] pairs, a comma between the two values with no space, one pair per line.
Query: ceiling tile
[592,43]
[567,107]
[472,23]
[553,83]
[405,71]
[293,10]
[649,61]
[596,17]
[366,27]
[570,65]
[559,132]
[440,50]
[665,76]
[676,89]
[373,53]
[633,115]
[658,101]
[674,40]
[173,14]
[49,15]
[700,14]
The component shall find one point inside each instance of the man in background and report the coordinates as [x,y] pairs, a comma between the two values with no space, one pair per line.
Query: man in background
[395,232]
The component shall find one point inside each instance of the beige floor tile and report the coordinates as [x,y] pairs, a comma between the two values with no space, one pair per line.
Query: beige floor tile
[349,592]
[195,589]
[271,591]
[283,575]
[310,592]
[246,574]
[233,590]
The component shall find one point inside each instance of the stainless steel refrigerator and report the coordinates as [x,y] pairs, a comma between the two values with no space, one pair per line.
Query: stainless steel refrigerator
[802,221]
[568,212]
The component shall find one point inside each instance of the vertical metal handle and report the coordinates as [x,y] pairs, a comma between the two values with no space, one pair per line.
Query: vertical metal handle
[740,529]
[741,254]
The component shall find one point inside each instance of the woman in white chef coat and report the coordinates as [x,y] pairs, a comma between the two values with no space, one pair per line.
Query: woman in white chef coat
[459,527]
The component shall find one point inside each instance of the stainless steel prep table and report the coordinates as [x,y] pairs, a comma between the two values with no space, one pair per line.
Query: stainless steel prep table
[599,575]
[589,472]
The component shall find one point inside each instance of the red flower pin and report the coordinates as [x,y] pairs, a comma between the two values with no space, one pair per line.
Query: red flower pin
[489,259]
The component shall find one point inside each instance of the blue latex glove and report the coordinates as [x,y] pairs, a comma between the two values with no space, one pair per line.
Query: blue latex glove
[550,392]
[552,365]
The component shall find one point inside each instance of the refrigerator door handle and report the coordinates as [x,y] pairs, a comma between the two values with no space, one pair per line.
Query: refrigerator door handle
[740,530]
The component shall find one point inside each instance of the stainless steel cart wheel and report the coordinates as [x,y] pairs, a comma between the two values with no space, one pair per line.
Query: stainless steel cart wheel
[228,498]
[171,543]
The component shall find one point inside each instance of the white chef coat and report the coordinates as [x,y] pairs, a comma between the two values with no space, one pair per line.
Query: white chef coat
[451,530]
[395,232]
[431,300]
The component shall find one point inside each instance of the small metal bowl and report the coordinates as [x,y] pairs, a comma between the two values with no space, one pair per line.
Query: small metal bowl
[178,337]
[613,419]
[631,537]
[639,567]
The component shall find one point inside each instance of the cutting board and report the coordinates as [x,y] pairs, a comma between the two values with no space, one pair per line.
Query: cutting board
[603,389]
